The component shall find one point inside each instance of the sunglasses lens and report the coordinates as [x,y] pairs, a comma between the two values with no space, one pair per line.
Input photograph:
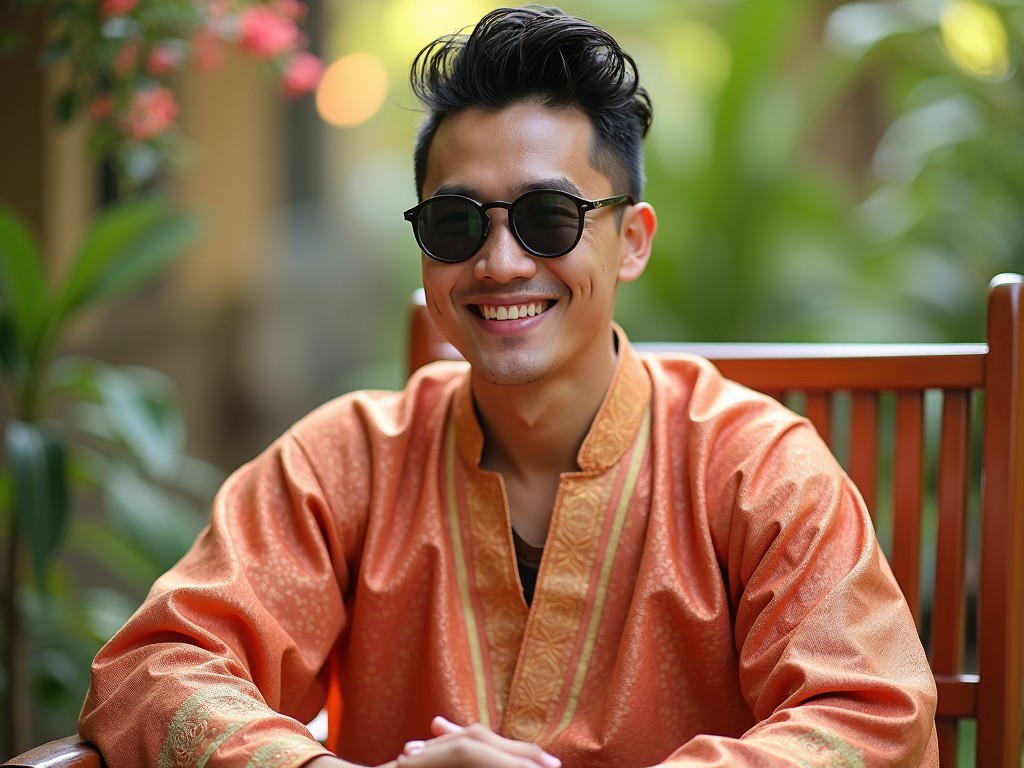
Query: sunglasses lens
[548,223]
[449,228]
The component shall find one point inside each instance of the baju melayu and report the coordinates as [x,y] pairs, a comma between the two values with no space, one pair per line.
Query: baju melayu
[711,593]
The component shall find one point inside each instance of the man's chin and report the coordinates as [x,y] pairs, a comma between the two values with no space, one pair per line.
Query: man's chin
[509,372]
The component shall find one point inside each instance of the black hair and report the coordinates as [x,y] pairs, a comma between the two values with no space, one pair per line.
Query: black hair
[516,55]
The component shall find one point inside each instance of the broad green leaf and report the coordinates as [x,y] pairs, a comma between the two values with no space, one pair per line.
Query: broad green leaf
[136,408]
[145,413]
[37,457]
[105,611]
[127,244]
[21,279]
[160,524]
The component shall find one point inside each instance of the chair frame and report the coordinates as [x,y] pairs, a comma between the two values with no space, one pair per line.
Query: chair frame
[994,696]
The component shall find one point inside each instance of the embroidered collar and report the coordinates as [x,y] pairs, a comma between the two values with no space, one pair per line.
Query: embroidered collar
[614,427]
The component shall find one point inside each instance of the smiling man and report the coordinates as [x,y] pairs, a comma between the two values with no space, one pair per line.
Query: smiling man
[558,552]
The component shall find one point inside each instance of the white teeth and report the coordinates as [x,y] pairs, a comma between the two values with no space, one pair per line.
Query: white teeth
[514,312]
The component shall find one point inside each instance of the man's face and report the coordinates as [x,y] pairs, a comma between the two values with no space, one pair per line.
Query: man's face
[565,304]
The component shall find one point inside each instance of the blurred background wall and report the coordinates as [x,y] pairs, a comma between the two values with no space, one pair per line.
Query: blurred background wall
[821,170]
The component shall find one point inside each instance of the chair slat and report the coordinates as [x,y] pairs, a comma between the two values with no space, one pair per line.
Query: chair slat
[949,613]
[863,460]
[949,603]
[908,455]
[948,733]
[819,411]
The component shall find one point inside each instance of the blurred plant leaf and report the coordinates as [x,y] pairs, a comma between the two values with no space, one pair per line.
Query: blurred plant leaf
[162,525]
[21,280]
[65,627]
[126,245]
[143,410]
[134,406]
[37,456]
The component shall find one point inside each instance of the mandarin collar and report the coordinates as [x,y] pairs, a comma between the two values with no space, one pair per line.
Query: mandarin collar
[614,427]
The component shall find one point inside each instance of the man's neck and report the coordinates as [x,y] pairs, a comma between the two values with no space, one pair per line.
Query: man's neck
[532,434]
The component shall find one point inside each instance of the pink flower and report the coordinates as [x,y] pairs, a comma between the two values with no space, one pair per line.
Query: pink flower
[302,73]
[101,106]
[109,8]
[208,50]
[163,59]
[151,112]
[265,33]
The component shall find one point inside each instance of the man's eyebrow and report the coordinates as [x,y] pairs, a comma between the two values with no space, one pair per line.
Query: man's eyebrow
[455,189]
[559,183]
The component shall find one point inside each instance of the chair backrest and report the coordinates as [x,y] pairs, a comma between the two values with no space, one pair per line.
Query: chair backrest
[946,491]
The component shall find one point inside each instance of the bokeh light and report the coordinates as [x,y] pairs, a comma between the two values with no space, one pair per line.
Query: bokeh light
[411,24]
[352,90]
[975,38]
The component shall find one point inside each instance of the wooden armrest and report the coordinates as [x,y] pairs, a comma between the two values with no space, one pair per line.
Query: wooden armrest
[71,752]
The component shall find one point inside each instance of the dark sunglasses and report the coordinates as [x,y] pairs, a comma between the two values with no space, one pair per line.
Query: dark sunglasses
[546,222]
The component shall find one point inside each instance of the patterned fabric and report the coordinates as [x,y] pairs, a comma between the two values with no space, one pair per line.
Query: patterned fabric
[711,594]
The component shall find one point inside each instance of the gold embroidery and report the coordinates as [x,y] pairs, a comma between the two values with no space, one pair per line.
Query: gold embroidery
[462,577]
[636,461]
[819,748]
[279,752]
[192,737]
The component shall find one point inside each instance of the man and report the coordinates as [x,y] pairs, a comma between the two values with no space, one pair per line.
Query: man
[561,553]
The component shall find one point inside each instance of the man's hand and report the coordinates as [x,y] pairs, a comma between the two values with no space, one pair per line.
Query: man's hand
[472,746]
[456,746]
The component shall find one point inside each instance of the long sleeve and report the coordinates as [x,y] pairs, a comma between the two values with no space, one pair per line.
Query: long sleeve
[228,653]
[830,662]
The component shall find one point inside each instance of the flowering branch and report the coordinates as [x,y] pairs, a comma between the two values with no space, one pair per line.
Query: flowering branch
[121,55]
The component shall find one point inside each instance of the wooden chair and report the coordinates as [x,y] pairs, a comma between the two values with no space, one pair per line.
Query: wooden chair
[940,503]
[952,522]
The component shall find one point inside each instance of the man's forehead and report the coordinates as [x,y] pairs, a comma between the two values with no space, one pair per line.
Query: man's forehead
[522,147]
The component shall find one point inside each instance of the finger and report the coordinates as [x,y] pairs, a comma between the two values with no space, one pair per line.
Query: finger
[466,752]
[412,747]
[439,726]
[447,732]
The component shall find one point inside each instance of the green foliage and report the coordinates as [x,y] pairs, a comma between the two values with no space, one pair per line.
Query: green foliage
[122,248]
[87,436]
[768,232]
[37,460]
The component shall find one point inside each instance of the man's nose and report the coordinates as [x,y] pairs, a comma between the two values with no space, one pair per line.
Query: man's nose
[502,258]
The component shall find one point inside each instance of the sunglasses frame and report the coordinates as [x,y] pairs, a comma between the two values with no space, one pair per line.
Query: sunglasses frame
[582,206]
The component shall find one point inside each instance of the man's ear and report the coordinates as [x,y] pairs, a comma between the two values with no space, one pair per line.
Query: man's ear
[639,223]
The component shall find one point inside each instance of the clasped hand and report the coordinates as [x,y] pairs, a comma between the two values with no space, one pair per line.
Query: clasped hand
[456,746]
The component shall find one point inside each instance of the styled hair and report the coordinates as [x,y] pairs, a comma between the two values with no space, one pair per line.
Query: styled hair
[533,53]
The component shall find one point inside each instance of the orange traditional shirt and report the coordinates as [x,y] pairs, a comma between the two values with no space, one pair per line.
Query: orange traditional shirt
[711,593]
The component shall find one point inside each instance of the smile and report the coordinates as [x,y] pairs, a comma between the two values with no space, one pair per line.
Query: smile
[514,312]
